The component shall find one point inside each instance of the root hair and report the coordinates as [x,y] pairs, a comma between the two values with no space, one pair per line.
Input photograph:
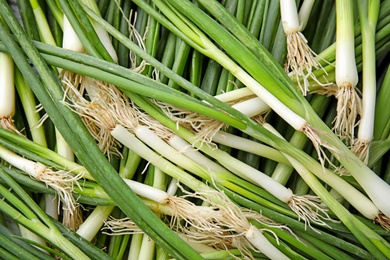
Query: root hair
[309,209]
[383,221]
[362,149]
[301,61]
[348,108]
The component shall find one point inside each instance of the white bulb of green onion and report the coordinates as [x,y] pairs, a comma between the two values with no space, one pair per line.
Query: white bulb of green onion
[34,169]
[70,40]
[251,107]
[7,88]
[346,71]
[289,14]
[189,151]
[257,239]
[106,40]
[304,13]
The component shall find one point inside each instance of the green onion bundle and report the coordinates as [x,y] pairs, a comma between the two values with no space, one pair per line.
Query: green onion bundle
[194,129]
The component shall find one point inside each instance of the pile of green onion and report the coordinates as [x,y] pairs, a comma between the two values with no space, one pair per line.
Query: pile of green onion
[204,129]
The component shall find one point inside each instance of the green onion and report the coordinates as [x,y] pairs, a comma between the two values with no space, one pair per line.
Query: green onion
[300,58]
[348,105]
[7,92]
[368,14]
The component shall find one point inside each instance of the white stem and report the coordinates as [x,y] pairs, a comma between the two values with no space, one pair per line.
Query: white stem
[159,180]
[146,251]
[346,71]
[63,147]
[106,41]
[251,107]
[147,191]
[51,205]
[197,245]
[188,150]
[304,13]
[70,40]
[64,150]
[156,143]
[234,94]
[366,126]
[90,86]
[7,88]
[377,189]
[23,164]
[172,187]
[135,246]
[94,222]
[253,175]
[27,234]
[297,122]
[289,14]
[249,146]
[260,242]
[100,31]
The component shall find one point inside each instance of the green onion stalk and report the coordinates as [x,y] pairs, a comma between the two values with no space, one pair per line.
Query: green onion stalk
[368,14]
[7,88]
[300,57]
[349,103]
